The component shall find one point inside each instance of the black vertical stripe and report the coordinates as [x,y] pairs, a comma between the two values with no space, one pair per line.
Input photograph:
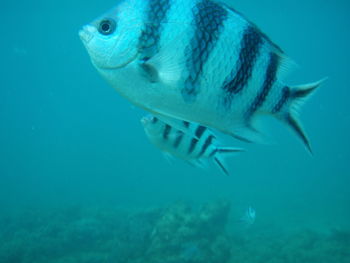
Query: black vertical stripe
[199,131]
[186,123]
[241,73]
[157,11]
[262,34]
[193,144]
[285,95]
[270,78]
[166,131]
[208,19]
[206,144]
[178,139]
[154,119]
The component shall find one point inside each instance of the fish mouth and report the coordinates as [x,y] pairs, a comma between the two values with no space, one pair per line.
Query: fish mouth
[86,34]
[147,119]
[144,121]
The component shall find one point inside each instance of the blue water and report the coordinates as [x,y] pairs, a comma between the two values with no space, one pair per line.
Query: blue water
[72,151]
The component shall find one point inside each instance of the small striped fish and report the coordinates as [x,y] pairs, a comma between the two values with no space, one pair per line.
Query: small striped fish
[195,60]
[183,145]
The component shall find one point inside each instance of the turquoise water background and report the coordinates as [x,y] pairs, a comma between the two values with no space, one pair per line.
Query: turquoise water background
[68,139]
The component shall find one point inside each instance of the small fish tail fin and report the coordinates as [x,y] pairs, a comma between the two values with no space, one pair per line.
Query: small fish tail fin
[289,107]
[220,152]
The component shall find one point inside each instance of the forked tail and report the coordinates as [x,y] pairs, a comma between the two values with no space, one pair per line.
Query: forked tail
[287,108]
[220,153]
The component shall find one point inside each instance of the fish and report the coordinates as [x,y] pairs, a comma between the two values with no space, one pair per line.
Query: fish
[196,60]
[182,144]
[249,216]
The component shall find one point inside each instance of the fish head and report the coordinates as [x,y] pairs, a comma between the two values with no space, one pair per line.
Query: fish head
[149,121]
[111,40]
[152,125]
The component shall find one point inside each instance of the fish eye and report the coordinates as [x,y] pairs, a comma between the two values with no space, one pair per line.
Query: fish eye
[107,26]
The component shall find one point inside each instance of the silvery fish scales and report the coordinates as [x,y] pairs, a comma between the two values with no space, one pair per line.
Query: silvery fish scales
[195,60]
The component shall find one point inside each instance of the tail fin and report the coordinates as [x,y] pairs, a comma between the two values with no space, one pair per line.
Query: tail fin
[296,98]
[224,151]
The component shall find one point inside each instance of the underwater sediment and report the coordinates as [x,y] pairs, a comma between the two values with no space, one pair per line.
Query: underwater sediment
[178,232]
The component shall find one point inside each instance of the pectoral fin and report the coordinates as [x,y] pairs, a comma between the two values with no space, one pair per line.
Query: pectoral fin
[149,72]
[166,64]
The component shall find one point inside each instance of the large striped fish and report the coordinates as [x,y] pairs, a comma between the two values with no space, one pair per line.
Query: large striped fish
[193,143]
[195,60]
